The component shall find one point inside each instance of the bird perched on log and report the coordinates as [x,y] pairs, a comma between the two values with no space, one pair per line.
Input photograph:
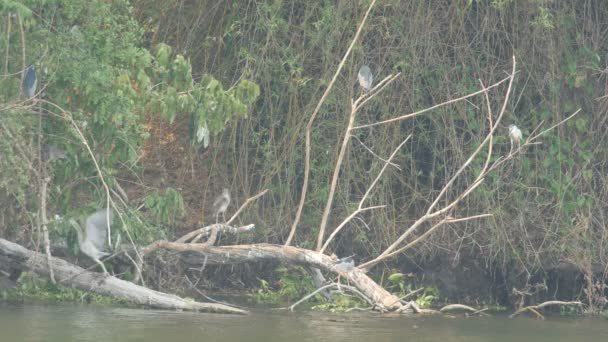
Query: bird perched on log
[344,265]
[30,81]
[220,205]
[92,241]
[366,79]
[515,135]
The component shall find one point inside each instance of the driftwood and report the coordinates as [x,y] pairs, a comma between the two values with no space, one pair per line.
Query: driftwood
[461,307]
[287,254]
[534,308]
[68,274]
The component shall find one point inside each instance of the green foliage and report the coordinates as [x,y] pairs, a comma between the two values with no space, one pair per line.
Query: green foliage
[293,284]
[94,67]
[165,207]
[33,288]
[399,287]
[341,302]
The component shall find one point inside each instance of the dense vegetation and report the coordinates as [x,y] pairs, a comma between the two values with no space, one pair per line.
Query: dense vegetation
[146,75]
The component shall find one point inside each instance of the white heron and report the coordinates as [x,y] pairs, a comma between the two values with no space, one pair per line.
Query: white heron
[92,241]
[220,204]
[366,79]
[515,136]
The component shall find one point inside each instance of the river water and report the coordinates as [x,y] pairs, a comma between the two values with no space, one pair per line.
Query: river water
[49,323]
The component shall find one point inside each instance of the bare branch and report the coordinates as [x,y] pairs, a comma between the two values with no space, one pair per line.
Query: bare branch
[296,220]
[375,155]
[360,207]
[534,308]
[411,115]
[244,205]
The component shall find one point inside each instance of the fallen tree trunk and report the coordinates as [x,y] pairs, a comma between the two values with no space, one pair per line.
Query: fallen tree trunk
[287,254]
[16,256]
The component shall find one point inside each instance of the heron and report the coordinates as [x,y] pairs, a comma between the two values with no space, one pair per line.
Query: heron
[220,204]
[92,244]
[30,81]
[344,265]
[515,135]
[365,78]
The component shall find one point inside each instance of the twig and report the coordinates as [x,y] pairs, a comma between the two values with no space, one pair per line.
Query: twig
[430,214]
[244,205]
[375,155]
[109,202]
[220,226]
[534,308]
[8,41]
[334,178]
[45,232]
[311,295]
[456,307]
[411,115]
[296,220]
[360,207]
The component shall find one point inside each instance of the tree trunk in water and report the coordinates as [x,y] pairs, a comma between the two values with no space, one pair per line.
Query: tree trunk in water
[67,274]
[287,254]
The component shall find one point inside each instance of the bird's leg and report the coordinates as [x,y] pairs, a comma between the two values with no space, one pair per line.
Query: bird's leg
[511,149]
[103,267]
[224,216]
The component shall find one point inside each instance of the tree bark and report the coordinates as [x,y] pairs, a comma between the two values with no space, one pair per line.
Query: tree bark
[68,274]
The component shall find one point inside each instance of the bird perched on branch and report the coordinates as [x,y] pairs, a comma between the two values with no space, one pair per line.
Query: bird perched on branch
[30,81]
[366,79]
[515,135]
[220,204]
[92,241]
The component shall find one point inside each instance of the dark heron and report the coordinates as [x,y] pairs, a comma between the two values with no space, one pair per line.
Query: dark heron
[30,82]
[344,265]
[515,135]
[93,240]
[366,79]
[220,204]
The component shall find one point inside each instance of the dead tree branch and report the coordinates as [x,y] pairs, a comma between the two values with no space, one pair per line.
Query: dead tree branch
[360,207]
[296,220]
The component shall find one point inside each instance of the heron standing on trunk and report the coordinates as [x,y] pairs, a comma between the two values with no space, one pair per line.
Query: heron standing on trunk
[344,265]
[220,205]
[92,241]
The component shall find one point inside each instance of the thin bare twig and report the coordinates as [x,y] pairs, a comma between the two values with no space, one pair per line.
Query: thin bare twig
[371,187]
[411,115]
[430,214]
[296,220]
[534,308]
